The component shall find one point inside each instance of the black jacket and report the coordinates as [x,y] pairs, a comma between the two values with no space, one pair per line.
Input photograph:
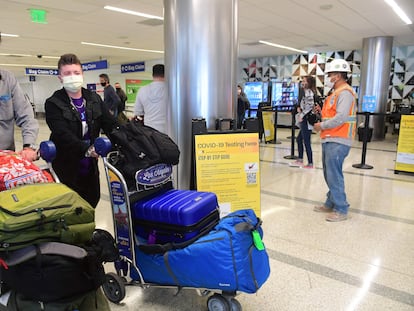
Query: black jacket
[242,104]
[66,132]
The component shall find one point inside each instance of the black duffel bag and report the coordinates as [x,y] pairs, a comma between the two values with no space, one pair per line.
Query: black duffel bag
[54,271]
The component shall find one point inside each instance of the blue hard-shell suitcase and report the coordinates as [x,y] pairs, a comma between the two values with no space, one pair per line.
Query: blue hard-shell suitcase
[175,216]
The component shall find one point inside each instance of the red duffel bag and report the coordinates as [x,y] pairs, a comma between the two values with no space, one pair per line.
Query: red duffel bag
[16,171]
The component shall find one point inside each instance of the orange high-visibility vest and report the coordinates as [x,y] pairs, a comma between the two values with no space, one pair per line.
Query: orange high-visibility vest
[347,129]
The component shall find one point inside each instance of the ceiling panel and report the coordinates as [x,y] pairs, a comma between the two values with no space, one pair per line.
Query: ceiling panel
[297,23]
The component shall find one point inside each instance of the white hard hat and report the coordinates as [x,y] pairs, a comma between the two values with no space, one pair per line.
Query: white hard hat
[338,65]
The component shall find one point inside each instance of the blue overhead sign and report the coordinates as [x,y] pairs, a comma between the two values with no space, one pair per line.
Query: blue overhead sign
[102,64]
[42,71]
[133,67]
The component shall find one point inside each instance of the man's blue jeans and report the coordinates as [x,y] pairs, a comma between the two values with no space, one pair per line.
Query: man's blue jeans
[333,156]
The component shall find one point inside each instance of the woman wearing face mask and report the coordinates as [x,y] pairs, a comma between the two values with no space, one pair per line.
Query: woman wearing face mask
[304,137]
[75,117]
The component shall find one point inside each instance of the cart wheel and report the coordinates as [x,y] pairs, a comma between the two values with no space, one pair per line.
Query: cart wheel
[235,305]
[124,279]
[114,287]
[218,303]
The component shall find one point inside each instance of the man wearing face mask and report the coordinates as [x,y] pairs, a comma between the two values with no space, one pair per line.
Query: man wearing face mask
[111,98]
[75,117]
[337,133]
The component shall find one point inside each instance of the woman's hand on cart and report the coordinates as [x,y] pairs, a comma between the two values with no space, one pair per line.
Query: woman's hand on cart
[91,153]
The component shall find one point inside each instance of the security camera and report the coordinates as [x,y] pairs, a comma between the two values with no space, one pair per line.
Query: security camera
[39,56]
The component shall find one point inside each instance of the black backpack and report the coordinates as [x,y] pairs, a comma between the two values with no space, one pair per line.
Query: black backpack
[123,97]
[54,271]
[140,146]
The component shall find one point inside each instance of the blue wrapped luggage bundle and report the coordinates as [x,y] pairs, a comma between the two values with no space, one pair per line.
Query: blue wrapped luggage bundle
[231,257]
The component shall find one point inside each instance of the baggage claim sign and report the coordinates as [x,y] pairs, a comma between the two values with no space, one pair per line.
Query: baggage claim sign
[228,165]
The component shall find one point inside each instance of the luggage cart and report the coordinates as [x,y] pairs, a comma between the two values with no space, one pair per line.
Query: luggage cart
[17,258]
[149,181]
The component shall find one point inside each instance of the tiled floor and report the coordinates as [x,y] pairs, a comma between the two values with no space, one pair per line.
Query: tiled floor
[364,263]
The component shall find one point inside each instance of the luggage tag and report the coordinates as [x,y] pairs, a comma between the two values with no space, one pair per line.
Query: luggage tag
[152,237]
[257,240]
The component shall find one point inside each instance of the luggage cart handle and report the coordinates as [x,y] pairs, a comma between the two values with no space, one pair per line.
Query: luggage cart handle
[102,146]
[47,151]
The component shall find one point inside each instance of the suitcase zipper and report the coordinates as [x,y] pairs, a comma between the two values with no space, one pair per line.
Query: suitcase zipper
[164,227]
[39,224]
[37,210]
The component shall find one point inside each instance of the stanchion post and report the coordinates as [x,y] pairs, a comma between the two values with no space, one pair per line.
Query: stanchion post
[292,139]
[275,141]
[365,134]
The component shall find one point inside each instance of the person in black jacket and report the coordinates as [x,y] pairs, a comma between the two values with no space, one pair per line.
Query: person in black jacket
[242,105]
[122,118]
[75,117]
[111,98]
[122,96]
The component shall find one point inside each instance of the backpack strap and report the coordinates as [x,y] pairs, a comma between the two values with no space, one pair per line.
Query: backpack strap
[52,248]
[163,248]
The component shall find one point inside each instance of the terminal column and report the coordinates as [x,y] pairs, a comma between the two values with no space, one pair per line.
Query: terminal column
[201,47]
[375,79]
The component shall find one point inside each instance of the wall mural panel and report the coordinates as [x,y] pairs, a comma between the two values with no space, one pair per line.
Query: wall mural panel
[293,67]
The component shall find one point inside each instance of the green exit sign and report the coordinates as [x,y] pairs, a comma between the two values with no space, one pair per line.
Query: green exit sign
[38,16]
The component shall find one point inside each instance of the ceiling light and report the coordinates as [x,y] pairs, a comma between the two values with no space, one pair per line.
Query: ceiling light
[26,65]
[120,47]
[15,55]
[51,57]
[401,14]
[112,8]
[282,47]
[8,35]
[27,55]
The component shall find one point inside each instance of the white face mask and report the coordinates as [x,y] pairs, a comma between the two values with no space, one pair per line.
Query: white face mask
[72,83]
[328,83]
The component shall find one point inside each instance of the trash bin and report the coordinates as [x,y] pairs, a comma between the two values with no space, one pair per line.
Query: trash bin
[221,124]
[251,124]
[361,130]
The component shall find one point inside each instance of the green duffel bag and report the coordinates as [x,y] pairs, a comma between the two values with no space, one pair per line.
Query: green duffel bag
[44,212]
